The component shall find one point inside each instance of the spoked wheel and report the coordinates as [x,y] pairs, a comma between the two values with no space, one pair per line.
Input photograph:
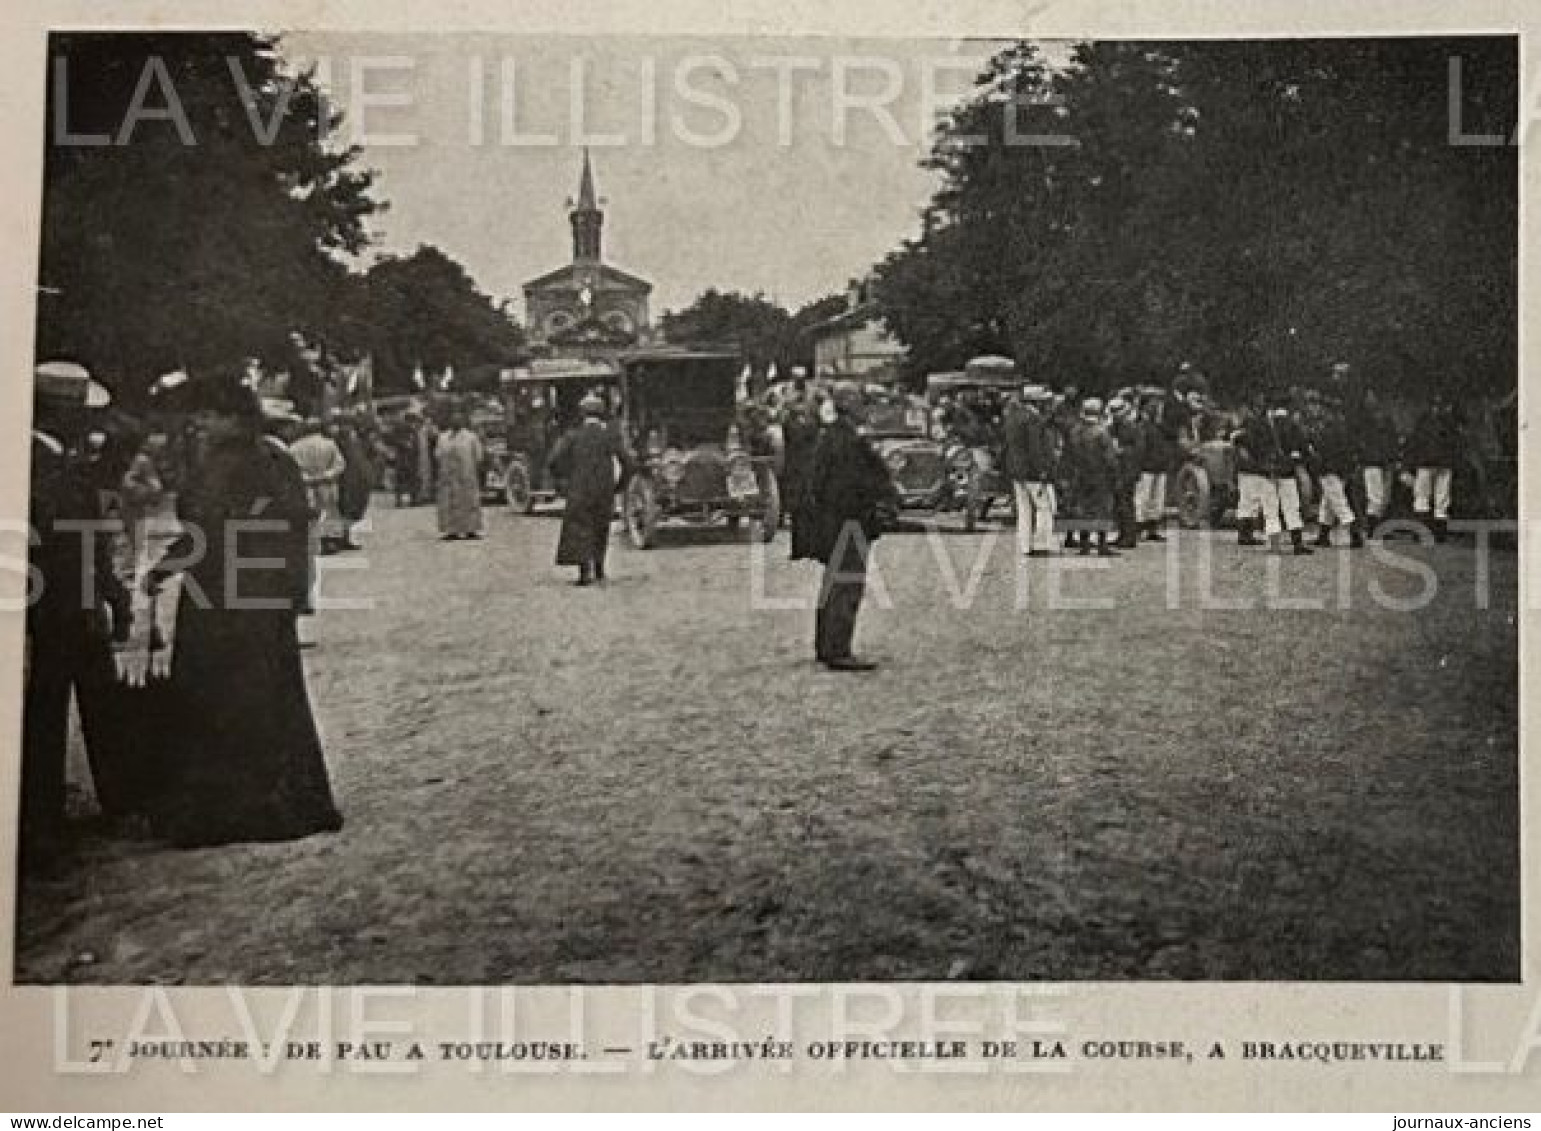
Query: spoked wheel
[516,487]
[641,513]
[1193,494]
[770,512]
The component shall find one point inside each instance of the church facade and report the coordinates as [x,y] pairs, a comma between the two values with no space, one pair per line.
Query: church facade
[587,309]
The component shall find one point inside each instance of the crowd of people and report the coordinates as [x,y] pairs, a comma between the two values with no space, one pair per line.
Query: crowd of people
[1102,473]
[226,749]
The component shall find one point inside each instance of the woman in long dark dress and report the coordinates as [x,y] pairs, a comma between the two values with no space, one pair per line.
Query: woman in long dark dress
[244,757]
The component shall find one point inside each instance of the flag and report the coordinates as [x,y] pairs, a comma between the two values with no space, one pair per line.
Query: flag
[741,393]
[417,377]
[448,379]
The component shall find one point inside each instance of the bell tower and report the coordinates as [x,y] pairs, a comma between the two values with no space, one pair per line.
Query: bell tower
[586,218]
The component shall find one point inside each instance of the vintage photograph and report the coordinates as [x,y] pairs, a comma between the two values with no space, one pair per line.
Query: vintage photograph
[541,509]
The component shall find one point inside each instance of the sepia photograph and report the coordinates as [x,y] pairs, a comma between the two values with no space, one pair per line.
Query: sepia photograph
[554,509]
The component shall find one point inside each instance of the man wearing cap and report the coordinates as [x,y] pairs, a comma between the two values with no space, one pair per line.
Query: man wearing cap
[850,495]
[1029,458]
[588,458]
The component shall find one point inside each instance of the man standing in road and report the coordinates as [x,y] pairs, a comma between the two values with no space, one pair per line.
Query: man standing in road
[850,494]
[595,464]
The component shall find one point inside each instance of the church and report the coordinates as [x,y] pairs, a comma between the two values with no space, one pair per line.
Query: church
[588,309]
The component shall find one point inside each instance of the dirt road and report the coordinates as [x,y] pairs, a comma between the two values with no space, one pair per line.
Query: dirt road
[652,780]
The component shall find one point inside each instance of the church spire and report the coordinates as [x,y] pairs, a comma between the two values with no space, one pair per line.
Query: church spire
[586,217]
[586,197]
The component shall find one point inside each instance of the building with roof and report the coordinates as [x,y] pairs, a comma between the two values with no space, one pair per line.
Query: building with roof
[588,309]
[856,343]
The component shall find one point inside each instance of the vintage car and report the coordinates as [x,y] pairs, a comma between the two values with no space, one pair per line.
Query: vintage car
[697,460]
[899,427]
[541,404]
[489,420]
[977,396]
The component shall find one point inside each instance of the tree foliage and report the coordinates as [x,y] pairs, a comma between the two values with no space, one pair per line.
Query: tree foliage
[425,310]
[195,211]
[1259,208]
[764,331]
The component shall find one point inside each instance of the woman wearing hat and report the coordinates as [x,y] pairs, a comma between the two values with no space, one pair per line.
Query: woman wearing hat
[595,464]
[244,759]
[1091,458]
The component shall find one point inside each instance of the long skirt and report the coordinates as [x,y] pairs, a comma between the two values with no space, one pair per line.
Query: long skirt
[460,504]
[585,532]
[244,757]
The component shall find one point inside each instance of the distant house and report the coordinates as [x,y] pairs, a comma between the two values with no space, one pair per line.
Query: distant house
[856,343]
[588,309]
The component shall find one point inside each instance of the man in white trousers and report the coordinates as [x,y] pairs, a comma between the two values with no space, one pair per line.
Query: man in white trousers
[1030,458]
[1336,453]
[1432,449]
[1274,444]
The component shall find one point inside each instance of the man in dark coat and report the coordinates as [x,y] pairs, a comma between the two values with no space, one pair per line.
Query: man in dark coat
[77,605]
[1433,449]
[851,496]
[1336,450]
[801,431]
[1375,441]
[358,478]
[1091,463]
[1125,428]
[1030,459]
[588,458]
[1273,444]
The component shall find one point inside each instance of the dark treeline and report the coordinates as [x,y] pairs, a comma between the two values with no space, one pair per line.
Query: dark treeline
[1258,208]
[199,210]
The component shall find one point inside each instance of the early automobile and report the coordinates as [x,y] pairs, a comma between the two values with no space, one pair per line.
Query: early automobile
[541,403]
[899,427]
[699,458]
[971,403]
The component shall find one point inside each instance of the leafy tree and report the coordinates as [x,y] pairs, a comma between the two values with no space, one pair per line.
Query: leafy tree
[425,310]
[1261,208]
[753,324]
[195,213]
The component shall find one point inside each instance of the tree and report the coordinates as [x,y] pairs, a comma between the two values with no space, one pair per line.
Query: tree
[1259,207]
[425,311]
[195,212]
[753,324]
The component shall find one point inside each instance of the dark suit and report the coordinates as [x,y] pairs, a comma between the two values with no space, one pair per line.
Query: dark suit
[69,649]
[586,458]
[849,488]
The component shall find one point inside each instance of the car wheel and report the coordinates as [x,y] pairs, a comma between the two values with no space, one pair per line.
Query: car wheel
[770,511]
[1193,494]
[641,512]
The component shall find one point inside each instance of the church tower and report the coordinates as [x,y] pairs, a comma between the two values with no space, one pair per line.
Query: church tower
[586,218]
[588,309]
